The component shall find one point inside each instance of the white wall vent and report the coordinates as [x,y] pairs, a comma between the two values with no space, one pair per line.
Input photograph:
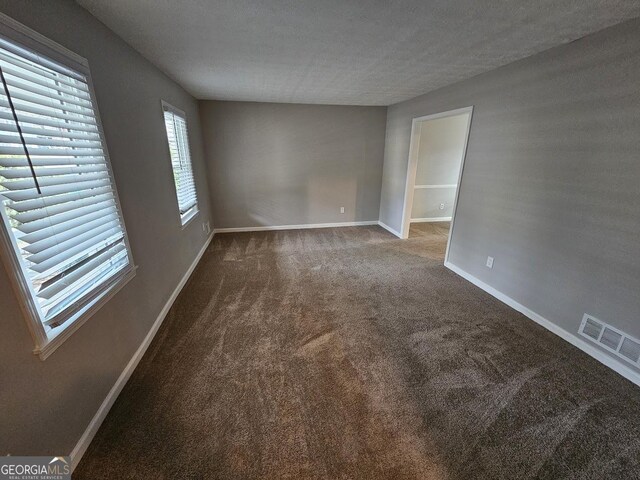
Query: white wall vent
[611,338]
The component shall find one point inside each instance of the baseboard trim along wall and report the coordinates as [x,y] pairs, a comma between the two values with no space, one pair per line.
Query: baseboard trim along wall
[98,418]
[389,229]
[304,226]
[573,339]
[430,219]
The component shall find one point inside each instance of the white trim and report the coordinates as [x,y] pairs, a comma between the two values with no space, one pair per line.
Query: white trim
[435,186]
[459,184]
[388,228]
[98,418]
[188,217]
[412,166]
[410,181]
[431,219]
[191,213]
[264,228]
[573,339]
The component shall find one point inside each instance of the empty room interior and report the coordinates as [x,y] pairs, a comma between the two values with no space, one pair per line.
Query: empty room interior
[319,239]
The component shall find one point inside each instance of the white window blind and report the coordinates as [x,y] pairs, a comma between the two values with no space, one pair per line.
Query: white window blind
[176,125]
[59,205]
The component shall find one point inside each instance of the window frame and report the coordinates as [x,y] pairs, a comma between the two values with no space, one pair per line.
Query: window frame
[193,212]
[47,342]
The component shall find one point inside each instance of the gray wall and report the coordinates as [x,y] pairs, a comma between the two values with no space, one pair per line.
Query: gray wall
[287,164]
[45,406]
[440,153]
[550,183]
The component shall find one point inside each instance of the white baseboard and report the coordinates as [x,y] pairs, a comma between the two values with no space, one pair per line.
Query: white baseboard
[98,418]
[293,227]
[573,339]
[389,229]
[430,219]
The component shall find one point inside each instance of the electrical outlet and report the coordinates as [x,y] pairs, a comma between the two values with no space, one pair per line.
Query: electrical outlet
[442,206]
[490,262]
[206,228]
[341,209]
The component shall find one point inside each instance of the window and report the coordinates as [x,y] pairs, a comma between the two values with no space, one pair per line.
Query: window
[176,124]
[61,221]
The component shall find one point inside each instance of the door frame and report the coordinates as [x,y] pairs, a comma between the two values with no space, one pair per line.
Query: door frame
[412,167]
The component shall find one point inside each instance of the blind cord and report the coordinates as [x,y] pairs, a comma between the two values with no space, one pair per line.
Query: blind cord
[15,118]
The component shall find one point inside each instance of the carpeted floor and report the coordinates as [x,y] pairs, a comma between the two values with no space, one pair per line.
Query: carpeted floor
[433,235]
[349,354]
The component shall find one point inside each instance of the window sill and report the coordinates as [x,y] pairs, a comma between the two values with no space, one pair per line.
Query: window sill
[188,218]
[62,333]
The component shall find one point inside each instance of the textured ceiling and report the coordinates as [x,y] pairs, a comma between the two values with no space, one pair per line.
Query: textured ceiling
[362,52]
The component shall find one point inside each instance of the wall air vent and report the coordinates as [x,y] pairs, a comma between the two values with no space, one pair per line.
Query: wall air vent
[611,338]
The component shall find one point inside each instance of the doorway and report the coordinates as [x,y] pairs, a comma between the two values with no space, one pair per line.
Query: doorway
[436,160]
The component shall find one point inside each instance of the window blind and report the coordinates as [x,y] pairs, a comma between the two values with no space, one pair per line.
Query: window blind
[176,126]
[59,203]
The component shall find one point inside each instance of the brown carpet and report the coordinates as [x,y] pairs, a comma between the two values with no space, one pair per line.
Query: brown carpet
[347,353]
[434,234]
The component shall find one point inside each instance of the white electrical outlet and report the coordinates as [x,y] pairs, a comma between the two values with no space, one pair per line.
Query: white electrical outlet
[341,209]
[490,262]
[442,206]
[206,228]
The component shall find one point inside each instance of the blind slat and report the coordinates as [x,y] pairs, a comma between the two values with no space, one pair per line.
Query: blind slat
[66,262]
[80,152]
[50,132]
[18,94]
[53,181]
[51,142]
[48,242]
[39,121]
[39,70]
[21,161]
[104,215]
[52,92]
[32,193]
[70,206]
[84,280]
[96,267]
[45,201]
[63,259]
[26,108]
[17,73]
[41,172]
[66,133]
[53,221]
[63,248]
